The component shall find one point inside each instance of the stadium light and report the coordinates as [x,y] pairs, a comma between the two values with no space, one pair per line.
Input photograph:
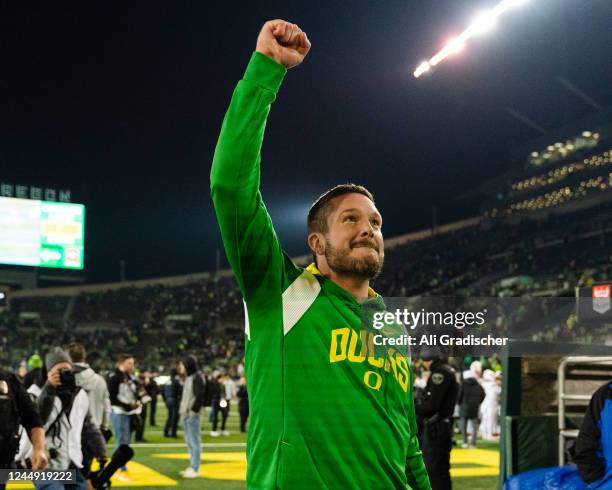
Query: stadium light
[506,5]
[422,68]
[455,45]
[483,23]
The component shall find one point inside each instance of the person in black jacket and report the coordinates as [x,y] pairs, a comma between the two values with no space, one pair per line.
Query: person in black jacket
[471,395]
[152,390]
[214,389]
[17,408]
[435,409]
[243,404]
[171,393]
[593,451]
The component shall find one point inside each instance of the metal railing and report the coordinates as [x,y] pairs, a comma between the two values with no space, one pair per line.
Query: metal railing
[563,397]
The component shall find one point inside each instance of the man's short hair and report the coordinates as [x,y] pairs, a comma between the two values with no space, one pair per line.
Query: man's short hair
[124,356]
[323,207]
[77,352]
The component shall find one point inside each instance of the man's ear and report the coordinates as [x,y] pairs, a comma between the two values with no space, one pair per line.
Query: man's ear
[316,242]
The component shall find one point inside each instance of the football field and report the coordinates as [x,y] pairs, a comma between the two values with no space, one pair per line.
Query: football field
[157,462]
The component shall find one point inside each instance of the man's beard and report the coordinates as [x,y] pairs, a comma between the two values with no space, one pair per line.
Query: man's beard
[339,261]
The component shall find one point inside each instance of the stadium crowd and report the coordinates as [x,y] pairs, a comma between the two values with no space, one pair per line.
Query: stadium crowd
[549,257]
[177,330]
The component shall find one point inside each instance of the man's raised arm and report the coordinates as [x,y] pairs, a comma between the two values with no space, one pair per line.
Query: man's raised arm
[249,239]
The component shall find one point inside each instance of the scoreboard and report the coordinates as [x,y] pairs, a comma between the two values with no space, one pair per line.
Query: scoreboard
[42,233]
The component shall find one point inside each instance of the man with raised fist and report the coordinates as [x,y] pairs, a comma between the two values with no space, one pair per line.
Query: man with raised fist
[326,410]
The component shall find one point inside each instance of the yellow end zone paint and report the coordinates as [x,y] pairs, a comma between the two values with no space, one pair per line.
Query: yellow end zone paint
[487,461]
[218,465]
[142,476]
[232,466]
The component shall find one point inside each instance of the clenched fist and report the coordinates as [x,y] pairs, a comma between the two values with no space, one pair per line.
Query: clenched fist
[284,42]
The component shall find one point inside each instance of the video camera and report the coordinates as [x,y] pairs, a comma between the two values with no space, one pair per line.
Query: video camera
[142,395]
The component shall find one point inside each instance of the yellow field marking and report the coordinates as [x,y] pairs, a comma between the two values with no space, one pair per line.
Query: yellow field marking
[142,476]
[487,461]
[471,472]
[219,466]
[484,457]
[232,466]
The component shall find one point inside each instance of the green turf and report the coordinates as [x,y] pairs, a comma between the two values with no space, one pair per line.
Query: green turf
[145,454]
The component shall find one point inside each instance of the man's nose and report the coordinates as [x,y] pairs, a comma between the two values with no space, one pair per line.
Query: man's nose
[367,230]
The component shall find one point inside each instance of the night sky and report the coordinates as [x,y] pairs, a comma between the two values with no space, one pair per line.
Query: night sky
[122,103]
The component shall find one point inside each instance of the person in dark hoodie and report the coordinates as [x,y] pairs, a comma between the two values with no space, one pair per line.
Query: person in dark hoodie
[192,401]
[471,395]
[593,451]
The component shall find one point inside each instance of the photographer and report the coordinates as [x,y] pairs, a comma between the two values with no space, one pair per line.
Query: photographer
[64,411]
[17,408]
[124,400]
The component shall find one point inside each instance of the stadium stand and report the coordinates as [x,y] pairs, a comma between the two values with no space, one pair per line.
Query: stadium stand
[164,318]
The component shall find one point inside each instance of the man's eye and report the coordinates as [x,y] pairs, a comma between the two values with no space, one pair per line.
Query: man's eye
[375,222]
[350,218]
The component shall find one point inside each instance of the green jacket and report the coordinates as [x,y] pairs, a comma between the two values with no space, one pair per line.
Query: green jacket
[325,412]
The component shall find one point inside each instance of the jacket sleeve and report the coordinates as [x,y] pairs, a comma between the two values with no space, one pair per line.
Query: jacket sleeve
[588,445]
[250,242]
[199,392]
[106,414]
[416,473]
[28,412]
